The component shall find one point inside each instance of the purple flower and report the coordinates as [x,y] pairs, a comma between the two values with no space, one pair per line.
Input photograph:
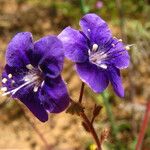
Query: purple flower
[32,74]
[98,56]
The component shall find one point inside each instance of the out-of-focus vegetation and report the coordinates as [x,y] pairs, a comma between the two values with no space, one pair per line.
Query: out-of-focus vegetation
[128,19]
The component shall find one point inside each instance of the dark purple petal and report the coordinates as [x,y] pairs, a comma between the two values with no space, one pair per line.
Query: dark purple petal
[95,28]
[54,95]
[48,54]
[32,101]
[75,44]
[115,79]
[94,77]
[16,54]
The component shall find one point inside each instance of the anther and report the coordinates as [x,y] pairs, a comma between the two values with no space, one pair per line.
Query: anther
[113,45]
[120,40]
[89,30]
[29,66]
[127,48]
[95,47]
[104,66]
[9,76]
[35,89]
[4,80]
[4,89]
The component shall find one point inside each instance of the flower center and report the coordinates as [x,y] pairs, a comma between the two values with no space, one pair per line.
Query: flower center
[33,78]
[97,57]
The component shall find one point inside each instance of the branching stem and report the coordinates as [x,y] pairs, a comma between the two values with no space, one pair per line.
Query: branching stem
[88,122]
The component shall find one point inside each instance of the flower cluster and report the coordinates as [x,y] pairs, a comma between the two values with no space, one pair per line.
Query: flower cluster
[32,71]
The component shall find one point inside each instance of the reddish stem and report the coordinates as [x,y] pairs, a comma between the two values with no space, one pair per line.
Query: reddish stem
[92,130]
[143,127]
[93,118]
[87,121]
[81,93]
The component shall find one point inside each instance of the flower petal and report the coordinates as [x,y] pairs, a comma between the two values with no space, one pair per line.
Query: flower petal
[16,54]
[117,54]
[75,44]
[115,79]
[95,28]
[12,76]
[94,77]
[32,101]
[54,95]
[48,54]
[25,94]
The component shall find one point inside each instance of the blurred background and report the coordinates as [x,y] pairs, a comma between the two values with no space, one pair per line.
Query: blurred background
[129,20]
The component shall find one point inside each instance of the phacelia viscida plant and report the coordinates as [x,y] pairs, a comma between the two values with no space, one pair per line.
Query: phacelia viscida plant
[33,69]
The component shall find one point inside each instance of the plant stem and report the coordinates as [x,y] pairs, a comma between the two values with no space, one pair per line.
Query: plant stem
[93,118]
[143,127]
[92,130]
[81,93]
[87,121]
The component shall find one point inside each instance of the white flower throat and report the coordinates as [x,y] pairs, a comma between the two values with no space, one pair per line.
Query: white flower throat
[97,57]
[34,77]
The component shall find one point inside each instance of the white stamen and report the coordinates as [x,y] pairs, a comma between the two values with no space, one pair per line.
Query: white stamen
[113,45]
[35,89]
[39,68]
[95,47]
[89,30]
[29,66]
[30,78]
[42,84]
[4,89]
[104,66]
[9,76]
[16,89]
[102,53]
[103,56]
[89,51]
[120,40]
[4,80]
[127,48]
